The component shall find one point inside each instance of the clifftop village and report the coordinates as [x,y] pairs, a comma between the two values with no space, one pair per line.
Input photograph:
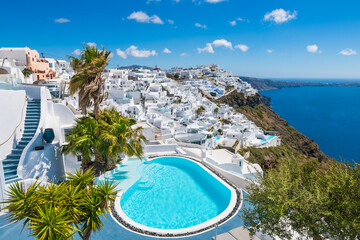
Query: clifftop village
[175,108]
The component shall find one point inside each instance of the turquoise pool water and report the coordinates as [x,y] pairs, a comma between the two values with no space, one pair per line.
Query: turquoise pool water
[174,193]
[126,174]
[268,138]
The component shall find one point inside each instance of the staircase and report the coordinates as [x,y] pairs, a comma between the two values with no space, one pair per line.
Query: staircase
[11,162]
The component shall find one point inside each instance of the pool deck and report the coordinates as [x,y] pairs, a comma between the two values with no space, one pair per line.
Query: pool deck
[239,233]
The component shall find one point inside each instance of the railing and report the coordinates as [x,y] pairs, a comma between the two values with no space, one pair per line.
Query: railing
[21,119]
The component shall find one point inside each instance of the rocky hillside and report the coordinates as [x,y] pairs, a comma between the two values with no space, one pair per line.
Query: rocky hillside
[256,108]
[267,84]
[236,100]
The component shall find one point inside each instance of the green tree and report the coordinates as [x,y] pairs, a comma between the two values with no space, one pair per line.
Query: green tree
[27,72]
[104,139]
[224,121]
[169,75]
[216,111]
[176,76]
[306,197]
[229,88]
[88,81]
[59,211]
[200,110]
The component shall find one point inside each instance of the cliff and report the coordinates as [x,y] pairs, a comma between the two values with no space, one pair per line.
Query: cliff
[237,99]
[256,108]
[267,84]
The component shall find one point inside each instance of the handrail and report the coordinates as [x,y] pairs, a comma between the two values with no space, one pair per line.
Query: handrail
[21,119]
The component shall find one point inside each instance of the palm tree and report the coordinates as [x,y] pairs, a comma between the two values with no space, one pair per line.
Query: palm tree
[59,211]
[88,81]
[119,137]
[84,138]
[104,139]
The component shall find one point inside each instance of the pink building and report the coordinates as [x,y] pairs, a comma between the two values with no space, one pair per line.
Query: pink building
[27,58]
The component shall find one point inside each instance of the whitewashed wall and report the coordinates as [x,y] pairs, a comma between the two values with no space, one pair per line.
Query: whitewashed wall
[11,107]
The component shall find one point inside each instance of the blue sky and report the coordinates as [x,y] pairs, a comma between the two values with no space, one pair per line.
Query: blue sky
[279,39]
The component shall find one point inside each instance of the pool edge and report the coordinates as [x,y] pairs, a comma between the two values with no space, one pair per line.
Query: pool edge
[177,233]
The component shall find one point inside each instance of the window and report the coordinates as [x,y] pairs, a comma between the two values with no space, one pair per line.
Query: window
[79,158]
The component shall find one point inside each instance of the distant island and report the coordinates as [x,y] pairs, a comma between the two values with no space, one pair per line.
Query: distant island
[268,84]
[134,67]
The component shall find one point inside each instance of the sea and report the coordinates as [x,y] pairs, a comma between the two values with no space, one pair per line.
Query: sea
[328,115]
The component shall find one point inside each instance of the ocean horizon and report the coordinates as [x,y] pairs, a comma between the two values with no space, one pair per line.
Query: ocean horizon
[318,80]
[328,115]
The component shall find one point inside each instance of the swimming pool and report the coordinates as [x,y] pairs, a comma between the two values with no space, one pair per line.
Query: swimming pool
[267,139]
[176,196]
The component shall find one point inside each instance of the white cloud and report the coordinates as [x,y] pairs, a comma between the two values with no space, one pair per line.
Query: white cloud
[91,44]
[269,50]
[111,55]
[62,20]
[142,17]
[242,47]
[280,16]
[155,19]
[76,52]
[170,21]
[312,48]
[166,50]
[233,23]
[222,42]
[184,54]
[348,52]
[121,54]
[134,52]
[208,48]
[200,26]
